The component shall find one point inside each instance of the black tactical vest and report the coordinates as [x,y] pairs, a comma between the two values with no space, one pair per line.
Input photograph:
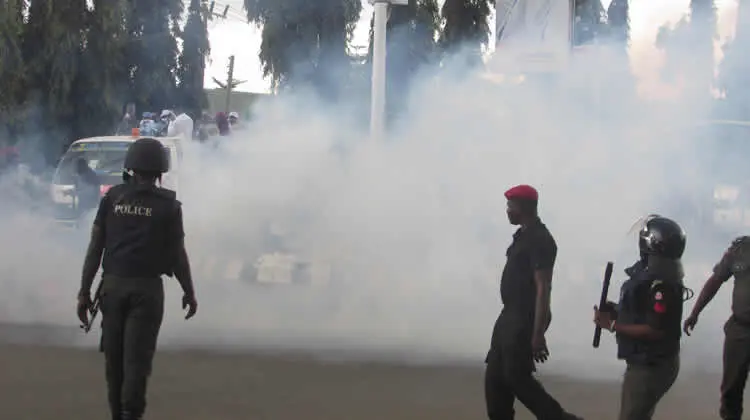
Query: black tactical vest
[634,307]
[139,226]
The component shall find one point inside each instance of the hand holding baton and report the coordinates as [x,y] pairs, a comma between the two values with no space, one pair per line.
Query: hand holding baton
[603,301]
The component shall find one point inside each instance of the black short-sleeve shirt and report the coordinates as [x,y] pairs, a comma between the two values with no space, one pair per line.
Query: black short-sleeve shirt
[533,248]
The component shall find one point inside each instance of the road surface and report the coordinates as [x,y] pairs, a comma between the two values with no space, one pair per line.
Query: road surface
[47,381]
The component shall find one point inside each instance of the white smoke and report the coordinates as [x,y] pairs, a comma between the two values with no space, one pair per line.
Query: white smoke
[414,228]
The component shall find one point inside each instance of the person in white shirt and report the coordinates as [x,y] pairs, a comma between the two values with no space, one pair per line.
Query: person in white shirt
[181,126]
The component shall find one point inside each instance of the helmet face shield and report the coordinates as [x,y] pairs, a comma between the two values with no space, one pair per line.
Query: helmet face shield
[661,237]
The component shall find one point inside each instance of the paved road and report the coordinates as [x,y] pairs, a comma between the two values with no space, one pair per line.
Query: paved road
[44,383]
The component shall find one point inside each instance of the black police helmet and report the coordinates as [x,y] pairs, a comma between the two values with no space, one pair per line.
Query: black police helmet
[662,237]
[147,155]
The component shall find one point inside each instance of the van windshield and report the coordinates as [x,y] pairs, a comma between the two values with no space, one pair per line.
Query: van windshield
[105,158]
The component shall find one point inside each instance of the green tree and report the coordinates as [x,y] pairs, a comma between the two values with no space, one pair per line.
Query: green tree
[304,41]
[620,85]
[590,21]
[152,52]
[104,81]
[466,25]
[192,61]
[53,44]
[703,34]
[689,48]
[12,69]
[734,69]
[618,22]
[673,41]
[411,43]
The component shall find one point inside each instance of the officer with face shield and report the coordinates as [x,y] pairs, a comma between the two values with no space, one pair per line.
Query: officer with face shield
[647,319]
[138,237]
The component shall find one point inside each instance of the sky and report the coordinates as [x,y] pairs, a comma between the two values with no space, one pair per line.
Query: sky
[233,36]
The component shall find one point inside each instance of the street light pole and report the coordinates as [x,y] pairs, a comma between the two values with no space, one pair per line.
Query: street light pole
[377,93]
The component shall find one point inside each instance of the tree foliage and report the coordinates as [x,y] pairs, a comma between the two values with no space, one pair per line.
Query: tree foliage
[304,41]
[466,25]
[12,67]
[411,40]
[192,61]
[618,22]
[68,67]
[703,34]
[688,47]
[53,46]
[590,21]
[734,69]
[152,52]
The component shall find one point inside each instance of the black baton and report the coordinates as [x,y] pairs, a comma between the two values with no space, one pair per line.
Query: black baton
[603,301]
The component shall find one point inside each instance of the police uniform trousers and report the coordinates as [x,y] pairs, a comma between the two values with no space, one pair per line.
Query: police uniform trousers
[132,312]
[736,365]
[509,374]
[644,385]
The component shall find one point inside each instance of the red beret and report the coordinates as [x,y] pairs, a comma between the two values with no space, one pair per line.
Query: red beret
[522,192]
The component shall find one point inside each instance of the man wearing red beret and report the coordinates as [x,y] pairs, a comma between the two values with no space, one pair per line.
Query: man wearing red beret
[518,336]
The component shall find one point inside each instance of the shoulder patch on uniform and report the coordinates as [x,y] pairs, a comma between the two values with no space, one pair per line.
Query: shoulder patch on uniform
[658,297]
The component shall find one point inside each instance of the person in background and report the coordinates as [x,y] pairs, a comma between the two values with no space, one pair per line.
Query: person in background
[129,121]
[147,126]
[234,118]
[87,186]
[181,125]
[165,120]
[222,123]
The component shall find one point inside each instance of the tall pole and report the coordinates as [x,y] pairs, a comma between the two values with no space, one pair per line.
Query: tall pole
[230,84]
[377,99]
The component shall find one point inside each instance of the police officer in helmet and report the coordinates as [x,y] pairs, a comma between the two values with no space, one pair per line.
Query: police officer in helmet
[138,237]
[647,319]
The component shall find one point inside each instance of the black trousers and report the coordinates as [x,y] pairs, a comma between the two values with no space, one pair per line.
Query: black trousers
[644,386]
[132,312]
[509,374]
[736,365]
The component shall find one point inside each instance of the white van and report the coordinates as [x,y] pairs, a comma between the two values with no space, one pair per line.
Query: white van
[106,157]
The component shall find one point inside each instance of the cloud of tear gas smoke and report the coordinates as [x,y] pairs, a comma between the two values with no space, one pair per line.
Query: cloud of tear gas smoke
[412,229]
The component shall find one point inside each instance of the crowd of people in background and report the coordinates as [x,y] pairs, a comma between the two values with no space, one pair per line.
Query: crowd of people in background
[174,122]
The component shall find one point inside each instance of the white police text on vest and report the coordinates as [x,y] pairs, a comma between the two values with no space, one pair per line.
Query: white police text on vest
[131,210]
